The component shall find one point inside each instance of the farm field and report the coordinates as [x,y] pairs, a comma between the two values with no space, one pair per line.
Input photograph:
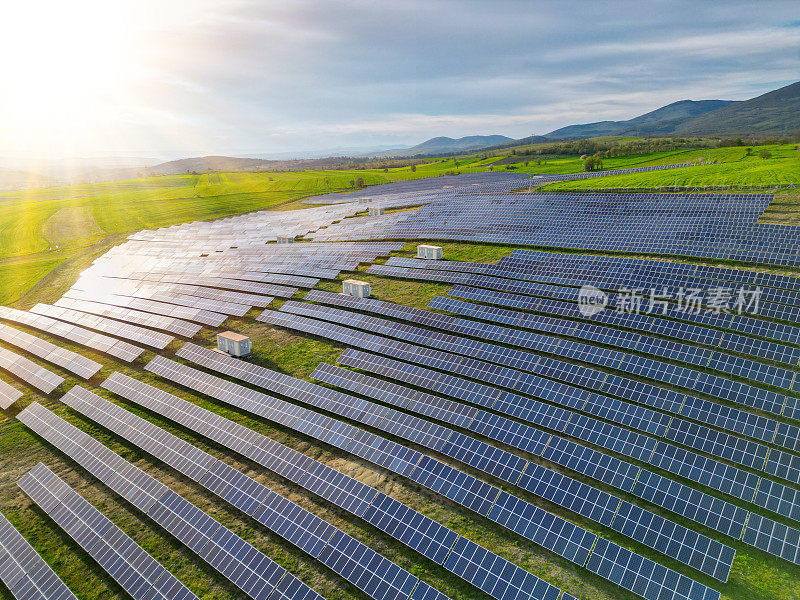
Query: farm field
[735,168]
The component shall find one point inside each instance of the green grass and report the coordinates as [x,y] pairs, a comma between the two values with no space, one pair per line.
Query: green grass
[734,169]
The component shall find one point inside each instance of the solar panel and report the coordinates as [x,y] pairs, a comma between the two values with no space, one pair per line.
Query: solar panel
[297,525]
[406,525]
[8,395]
[97,341]
[29,372]
[24,573]
[139,574]
[71,361]
[140,335]
[241,563]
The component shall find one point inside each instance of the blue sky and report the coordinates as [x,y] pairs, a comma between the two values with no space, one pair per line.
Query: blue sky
[181,77]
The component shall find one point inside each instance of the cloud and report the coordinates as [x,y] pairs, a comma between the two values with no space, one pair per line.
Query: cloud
[246,76]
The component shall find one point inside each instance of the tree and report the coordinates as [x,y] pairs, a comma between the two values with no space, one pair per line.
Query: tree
[352,183]
[360,182]
[413,168]
[748,151]
[592,163]
[765,154]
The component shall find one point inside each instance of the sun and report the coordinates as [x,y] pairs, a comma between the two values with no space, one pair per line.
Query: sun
[62,60]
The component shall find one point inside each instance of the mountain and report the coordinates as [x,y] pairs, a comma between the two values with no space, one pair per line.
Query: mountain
[446,145]
[773,113]
[21,180]
[663,120]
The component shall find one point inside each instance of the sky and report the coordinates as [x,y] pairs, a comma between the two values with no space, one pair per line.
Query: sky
[172,78]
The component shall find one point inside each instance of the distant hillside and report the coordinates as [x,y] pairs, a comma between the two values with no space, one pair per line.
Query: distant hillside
[22,180]
[445,145]
[773,113]
[660,121]
[209,163]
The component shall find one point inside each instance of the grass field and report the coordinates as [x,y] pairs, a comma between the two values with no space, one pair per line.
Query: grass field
[735,168]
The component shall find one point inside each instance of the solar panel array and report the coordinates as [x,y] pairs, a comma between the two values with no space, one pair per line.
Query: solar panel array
[139,574]
[506,509]
[26,575]
[369,571]
[732,481]
[720,226]
[241,563]
[499,578]
[695,550]
[97,341]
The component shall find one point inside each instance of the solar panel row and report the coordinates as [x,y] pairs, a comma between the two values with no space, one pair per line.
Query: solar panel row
[71,361]
[172,325]
[139,574]
[499,579]
[668,537]
[97,341]
[241,563]
[26,575]
[378,577]
[126,331]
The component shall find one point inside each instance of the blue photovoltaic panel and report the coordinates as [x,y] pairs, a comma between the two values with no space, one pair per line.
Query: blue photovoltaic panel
[135,570]
[23,572]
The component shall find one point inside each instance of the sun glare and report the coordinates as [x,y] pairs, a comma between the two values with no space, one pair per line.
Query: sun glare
[62,60]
